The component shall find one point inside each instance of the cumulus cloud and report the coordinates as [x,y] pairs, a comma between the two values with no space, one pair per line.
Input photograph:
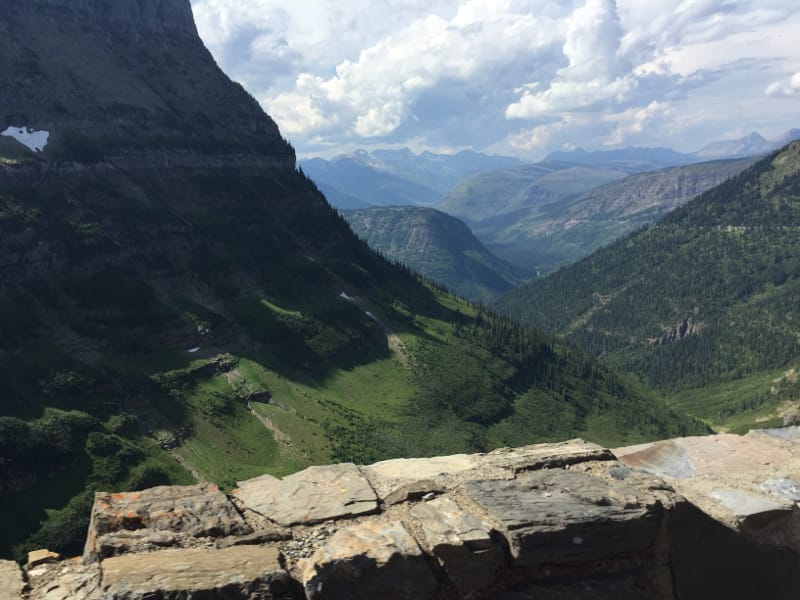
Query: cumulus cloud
[785,89]
[632,122]
[374,94]
[519,76]
[595,70]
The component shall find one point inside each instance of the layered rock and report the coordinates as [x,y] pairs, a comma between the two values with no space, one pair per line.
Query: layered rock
[546,521]
[241,572]
[160,517]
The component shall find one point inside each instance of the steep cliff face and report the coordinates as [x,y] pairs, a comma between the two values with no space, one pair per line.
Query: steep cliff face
[109,78]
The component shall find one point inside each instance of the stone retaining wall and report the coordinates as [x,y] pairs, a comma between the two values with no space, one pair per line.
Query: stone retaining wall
[565,520]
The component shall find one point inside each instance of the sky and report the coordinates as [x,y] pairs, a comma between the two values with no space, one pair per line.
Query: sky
[513,77]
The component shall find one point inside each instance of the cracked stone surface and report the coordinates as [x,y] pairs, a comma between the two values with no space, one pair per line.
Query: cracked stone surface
[66,580]
[462,543]
[563,516]
[311,496]
[238,572]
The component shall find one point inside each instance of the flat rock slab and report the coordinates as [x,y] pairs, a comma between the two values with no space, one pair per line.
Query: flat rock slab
[375,559]
[159,517]
[311,496]
[11,582]
[462,543]
[713,454]
[389,476]
[745,482]
[545,456]
[561,516]
[424,468]
[38,557]
[239,572]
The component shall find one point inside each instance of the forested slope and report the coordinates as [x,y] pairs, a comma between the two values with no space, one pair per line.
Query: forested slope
[710,293]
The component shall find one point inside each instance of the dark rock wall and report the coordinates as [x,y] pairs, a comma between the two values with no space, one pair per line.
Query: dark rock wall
[123,77]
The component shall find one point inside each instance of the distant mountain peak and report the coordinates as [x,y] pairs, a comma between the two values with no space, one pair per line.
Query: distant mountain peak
[749,145]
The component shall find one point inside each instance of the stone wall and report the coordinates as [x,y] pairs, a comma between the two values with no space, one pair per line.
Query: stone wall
[712,517]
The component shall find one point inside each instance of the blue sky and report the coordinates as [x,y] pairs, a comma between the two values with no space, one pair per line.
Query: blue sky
[518,77]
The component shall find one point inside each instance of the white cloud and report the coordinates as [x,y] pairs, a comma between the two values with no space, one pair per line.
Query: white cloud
[373,95]
[785,89]
[520,76]
[632,122]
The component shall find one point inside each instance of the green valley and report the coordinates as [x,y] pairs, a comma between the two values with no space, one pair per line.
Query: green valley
[704,300]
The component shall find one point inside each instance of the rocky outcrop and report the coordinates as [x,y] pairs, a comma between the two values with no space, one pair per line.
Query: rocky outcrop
[678,332]
[713,517]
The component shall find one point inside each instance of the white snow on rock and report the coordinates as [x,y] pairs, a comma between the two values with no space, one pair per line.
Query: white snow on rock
[193,350]
[346,297]
[35,140]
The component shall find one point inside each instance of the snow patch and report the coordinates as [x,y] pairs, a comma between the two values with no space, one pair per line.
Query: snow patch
[346,297]
[35,140]
[371,316]
[193,350]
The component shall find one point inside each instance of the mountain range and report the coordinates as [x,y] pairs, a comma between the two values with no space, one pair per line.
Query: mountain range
[396,177]
[179,303]
[705,297]
[548,235]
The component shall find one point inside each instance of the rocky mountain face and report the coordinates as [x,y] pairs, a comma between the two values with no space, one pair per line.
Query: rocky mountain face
[689,518]
[436,245]
[114,77]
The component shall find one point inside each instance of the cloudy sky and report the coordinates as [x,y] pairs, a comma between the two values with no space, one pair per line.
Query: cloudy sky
[519,77]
